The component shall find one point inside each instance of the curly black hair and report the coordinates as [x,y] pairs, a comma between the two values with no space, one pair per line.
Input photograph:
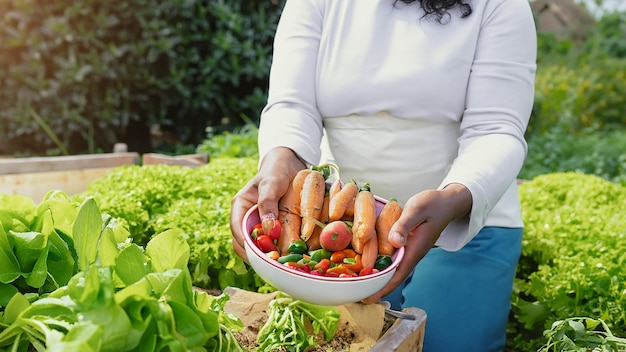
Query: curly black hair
[439,8]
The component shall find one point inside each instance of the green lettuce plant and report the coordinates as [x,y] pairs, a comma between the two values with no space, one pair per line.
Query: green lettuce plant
[573,252]
[107,293]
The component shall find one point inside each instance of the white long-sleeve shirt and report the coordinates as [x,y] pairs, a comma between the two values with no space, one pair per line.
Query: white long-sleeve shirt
[337,58]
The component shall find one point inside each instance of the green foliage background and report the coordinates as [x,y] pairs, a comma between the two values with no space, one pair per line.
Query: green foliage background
[79,76]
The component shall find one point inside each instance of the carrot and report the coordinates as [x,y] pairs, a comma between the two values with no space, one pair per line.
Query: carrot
[289,217]
[342,200]
[298,181]
[324,216]
[388,216]
[311,202]
[370,253]
[335,188]
[358,245]
[314,241]
[364,225]
[349,213]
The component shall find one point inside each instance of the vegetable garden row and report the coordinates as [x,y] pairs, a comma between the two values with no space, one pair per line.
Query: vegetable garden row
[113,268]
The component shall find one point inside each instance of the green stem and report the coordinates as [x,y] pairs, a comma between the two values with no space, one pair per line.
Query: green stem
[48,131]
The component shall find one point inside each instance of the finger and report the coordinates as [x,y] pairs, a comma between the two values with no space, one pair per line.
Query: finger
[270,190]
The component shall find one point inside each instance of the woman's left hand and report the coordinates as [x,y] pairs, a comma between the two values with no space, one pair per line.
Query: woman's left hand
[423,218]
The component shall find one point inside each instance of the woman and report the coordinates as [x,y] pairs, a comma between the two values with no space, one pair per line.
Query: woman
[428,101]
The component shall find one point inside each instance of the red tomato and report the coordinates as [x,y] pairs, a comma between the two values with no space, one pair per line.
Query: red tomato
[335,236]
[275,233]
[257,230]
[265,244]
[366,271]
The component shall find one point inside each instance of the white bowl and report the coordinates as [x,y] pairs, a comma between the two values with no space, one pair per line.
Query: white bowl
[320,290]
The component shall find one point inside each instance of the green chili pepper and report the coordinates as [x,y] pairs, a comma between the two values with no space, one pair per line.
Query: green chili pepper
[298,247]
[320,254]
[293,257]
[382,262]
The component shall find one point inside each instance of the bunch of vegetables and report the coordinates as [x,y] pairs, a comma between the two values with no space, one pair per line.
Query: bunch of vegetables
[328,228]
[71,279]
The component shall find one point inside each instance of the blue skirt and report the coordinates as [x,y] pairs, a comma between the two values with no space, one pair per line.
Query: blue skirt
[465,294]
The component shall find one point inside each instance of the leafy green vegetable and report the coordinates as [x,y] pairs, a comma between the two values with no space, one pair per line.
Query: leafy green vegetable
[116,295]
[157,198]
[581,334]
[287,322]
[573,252]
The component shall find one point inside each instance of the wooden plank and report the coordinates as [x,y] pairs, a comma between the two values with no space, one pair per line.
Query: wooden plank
[36,185]
[404,335]
[190,160]
[10,166]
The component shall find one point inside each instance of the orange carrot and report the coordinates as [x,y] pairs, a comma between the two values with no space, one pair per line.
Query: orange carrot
[335,188]
[289,217]
[370,253]
[364,225]
[348,215]
[357,244]
[388,216]
[314,241]
[311,202]
[298,181]
[342,200]
[324,216]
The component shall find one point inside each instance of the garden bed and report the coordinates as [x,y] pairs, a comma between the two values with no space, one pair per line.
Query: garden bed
[35,176]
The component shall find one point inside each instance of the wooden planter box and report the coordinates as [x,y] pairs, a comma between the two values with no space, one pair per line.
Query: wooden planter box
[35,176]
[402,336]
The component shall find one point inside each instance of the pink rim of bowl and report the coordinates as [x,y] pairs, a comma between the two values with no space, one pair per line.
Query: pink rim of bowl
[252,218]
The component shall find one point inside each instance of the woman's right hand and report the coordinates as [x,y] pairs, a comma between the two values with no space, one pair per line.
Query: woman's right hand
[278,167]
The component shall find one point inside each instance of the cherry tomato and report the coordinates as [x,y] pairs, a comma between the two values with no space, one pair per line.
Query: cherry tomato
[366,271]
[265,244]
[275,232]
[257,230]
